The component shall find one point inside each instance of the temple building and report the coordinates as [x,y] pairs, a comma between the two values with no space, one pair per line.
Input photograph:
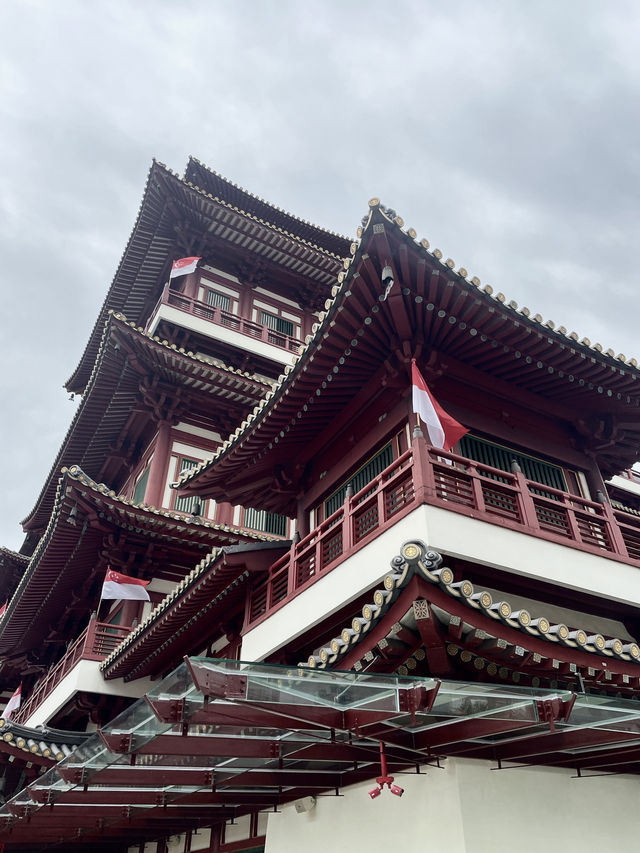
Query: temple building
[354,636]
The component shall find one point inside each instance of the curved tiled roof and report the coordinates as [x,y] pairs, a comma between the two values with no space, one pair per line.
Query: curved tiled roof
[212,182]
[198,373]
[580,350]
[416,559]
[213,583]
[152,245]
[75,473]
[41,745]
[70,543]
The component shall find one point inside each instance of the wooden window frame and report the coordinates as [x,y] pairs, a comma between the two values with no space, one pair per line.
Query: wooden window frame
[181,458]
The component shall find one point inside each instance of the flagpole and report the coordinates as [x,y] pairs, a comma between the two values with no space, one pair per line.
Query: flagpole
[416,432]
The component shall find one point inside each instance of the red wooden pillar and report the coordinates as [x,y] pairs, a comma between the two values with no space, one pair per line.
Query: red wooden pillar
[191,285]
[224,513]
[423,482]
[527,506]
[302,521]
[347,520]
[244,304]
[158,469]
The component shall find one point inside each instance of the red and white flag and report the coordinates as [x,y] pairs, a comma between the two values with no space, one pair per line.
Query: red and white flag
[443,430]
[123,587]
[3,608]
[183,266]
[14,703]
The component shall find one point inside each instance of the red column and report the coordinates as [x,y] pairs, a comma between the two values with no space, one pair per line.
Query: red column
[423,482]
[158,471]
[244,304]
[224,513]
[302,520]
[191,285]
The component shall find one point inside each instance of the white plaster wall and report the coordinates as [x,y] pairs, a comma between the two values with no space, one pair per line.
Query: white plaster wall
[220,333]
[624,483]
[544,809]
[426,819]
[342,584]
[492,545]
[85,676]
[469,808]
[454,535]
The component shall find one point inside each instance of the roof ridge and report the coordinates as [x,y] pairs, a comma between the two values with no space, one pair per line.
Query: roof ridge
[261,200]
[417,558]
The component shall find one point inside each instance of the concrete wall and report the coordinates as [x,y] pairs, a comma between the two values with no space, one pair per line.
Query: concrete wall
[469,808]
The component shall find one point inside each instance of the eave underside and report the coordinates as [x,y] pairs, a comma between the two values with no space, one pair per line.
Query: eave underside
[176,218]
[458,333]
[136,380]
[90,527]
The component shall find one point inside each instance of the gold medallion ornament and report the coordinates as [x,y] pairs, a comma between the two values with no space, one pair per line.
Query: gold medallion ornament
[446,576]
[410,551]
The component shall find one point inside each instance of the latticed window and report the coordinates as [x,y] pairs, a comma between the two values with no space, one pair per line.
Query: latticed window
[192,503]
[359,480]
[141,485]
[267,522]
[501,457]
[278,324]
[218,300]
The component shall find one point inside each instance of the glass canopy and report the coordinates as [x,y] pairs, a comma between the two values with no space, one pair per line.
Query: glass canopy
[219,738]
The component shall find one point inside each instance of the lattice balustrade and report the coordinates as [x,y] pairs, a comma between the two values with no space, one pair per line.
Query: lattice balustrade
[502,502]
[332,547]
[453,485]
[630,528]
[401,495]
[221,317]
[95,643]
[278,586]
[552,518]
[459,484]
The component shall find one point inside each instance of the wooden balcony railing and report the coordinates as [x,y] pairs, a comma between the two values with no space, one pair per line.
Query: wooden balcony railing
[426,475]
[96,642]
[379,504]
[217,315]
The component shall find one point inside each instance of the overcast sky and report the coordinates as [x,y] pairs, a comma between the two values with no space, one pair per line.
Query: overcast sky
[507,133]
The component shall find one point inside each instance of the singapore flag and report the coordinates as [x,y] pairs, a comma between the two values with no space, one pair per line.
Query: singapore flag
[123,587]
[444,431]
[14,703]
[183,266]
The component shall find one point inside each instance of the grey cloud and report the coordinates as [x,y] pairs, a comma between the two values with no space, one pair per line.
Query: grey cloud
[505,133]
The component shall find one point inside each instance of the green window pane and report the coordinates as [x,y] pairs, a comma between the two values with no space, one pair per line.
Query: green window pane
[359,480]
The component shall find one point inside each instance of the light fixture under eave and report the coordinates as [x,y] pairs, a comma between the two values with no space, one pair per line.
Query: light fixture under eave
[387,280]
[385,779]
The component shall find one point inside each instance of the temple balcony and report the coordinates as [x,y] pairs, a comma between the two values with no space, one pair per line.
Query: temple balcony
[76,671]
[462,508]
[222,325]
